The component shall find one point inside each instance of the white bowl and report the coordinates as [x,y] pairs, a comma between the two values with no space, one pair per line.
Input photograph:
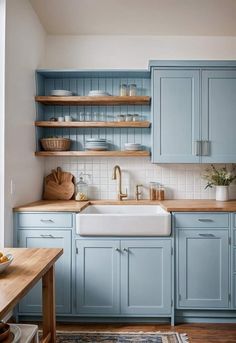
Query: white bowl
[3,266]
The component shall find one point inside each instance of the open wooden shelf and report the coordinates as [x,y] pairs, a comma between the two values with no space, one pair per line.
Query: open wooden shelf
[82,124]
[140,153]
[93,100]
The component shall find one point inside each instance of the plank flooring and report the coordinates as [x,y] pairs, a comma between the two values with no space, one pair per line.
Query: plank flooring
[197,333]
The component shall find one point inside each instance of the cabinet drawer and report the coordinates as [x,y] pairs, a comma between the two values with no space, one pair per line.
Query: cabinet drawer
[47,220]
[202,220]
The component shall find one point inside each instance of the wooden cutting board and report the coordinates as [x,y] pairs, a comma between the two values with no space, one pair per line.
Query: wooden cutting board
[59,185]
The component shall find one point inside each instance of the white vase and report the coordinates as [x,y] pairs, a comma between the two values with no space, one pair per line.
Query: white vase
[222,193]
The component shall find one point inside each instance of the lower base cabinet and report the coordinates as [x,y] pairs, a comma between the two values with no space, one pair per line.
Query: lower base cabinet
[32,302]
[123,277]
[202,261]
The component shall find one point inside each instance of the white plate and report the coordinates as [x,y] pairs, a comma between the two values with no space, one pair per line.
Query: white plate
[61,92]
[97,93]
[92,140]
[3,266]
[17,333]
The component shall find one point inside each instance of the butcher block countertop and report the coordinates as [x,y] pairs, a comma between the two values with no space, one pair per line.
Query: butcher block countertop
[168,205]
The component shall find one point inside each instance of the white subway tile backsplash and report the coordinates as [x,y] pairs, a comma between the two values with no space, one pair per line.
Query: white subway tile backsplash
[181,181]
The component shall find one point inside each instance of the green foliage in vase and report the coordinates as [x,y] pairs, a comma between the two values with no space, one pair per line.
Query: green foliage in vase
[220,176]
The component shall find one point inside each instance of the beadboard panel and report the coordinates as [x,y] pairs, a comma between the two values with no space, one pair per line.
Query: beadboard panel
[116,137]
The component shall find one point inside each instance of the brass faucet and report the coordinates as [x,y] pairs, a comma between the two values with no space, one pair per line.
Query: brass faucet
[137,192]
[116,175]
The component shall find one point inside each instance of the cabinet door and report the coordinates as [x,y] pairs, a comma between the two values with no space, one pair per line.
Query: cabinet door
[219,115]
[203,268]
[32,302]
[175,111]
[97,277]
[146,277]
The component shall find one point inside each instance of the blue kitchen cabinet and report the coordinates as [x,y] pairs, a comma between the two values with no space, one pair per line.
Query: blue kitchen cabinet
[202,261]
[97,277]
[34,238]
[233,264]
[124,277]
[175,116]
[219,115]
[146,277]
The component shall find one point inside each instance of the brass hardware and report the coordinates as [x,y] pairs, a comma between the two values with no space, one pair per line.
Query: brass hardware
[137,192]
[116,175]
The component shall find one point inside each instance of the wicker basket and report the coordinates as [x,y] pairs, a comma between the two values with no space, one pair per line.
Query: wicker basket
[55,144]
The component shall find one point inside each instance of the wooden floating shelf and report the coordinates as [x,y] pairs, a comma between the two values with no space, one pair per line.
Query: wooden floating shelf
[141,153]
[93,100]
[83,124]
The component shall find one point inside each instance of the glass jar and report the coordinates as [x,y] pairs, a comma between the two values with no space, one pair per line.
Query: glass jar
[81,116]
[161,192]
[129,117]
[81,189]
[153,191]
[123,89]
[88,116]
[136,117]
[120,117]
[132,91]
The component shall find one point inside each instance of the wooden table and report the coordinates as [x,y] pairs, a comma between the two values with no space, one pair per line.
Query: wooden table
[27,268]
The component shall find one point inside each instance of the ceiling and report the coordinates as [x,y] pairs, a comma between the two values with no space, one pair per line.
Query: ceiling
[137,17]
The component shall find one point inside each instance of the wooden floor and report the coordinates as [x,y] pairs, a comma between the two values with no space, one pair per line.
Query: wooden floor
[197,333]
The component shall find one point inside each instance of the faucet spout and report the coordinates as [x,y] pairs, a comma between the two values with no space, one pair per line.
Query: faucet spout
[116,175]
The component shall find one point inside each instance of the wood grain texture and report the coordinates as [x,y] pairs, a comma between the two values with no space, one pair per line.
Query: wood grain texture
[199,205]
[53,206]
[94,153]
[93,100]
[49,315]
[168,205]
[92,124]
[27,268]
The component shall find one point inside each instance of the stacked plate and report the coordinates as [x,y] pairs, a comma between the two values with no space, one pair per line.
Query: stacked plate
[98,93]
[133,146]
[96,144]
[60,92]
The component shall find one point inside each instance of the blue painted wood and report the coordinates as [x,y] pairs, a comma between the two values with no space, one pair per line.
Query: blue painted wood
[202,220]
[191,63]
[32,302]
[81,84]
[218,115]
[97,277]
[202,268]
[146,277]
[175,115]
[45,220]
[234,291]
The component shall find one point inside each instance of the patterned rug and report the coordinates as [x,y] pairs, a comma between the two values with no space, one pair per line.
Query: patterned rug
[121,337]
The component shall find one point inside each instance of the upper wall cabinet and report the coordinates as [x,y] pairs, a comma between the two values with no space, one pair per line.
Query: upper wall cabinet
[176,116]
[194,112]
[219,115]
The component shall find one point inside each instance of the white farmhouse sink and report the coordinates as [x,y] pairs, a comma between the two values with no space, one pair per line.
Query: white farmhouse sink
[123,220]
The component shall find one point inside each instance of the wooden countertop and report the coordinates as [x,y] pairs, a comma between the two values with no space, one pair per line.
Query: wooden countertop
[168,205]
[27,268]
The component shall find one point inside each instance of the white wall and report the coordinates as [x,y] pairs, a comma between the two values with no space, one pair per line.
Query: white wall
[2,113]
[25,47]
[132,52]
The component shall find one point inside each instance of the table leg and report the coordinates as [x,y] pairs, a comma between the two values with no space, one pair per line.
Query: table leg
[49,315]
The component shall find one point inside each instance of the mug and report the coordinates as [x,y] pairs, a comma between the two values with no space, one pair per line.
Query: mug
[60,119]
